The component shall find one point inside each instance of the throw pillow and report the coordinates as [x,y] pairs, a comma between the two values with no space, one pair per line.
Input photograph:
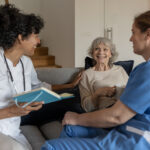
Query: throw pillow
[127,65]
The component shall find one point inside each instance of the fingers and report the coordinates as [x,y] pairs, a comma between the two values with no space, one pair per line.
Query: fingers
[111,91]
[34,106]
[31,107]
[36,103]
[14,110]
[17,111]
[80,74]
[70,118]
[107,91]
[77,79]
[66,118]
[64,122]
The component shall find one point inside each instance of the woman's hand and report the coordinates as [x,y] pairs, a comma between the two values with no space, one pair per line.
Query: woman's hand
[19,111]
[106,91]
[77,79]
[69,85]
[70,118]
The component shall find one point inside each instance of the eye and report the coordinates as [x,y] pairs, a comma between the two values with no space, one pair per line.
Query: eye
[105,49]
[97,49]
[133,32]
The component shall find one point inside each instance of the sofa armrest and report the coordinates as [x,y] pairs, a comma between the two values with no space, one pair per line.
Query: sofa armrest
[57,75]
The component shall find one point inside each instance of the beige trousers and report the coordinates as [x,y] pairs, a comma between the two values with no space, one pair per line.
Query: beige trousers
[8,143]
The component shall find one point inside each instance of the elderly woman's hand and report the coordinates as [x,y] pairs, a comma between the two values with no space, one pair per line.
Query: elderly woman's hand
[19,111]
[70,118]
[106,91]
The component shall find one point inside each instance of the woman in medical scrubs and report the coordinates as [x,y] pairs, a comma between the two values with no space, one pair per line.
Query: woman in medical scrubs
[125,125]
[18,39]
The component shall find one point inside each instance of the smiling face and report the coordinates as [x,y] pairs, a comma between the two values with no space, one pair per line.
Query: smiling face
[29,44]
[102,54]
[139,40]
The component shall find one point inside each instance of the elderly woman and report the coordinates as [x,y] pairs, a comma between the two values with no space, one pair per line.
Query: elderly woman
[129,116]
[102,84]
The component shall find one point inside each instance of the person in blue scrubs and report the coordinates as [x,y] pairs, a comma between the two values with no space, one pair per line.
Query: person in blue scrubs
[125,125]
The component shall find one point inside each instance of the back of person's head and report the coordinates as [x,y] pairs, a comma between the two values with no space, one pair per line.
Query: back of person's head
[142,21]
[13,23]
[96,42]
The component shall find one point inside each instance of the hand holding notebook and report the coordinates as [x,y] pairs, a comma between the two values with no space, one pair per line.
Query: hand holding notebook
[40,94]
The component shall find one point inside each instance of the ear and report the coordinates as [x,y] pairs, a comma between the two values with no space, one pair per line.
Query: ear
[111,53]
[20,39]
[92,52]
[148,33]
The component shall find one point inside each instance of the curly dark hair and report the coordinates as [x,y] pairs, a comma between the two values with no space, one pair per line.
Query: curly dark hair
[13,22]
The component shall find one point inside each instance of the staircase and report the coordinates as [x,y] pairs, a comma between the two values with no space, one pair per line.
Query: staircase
[42,59]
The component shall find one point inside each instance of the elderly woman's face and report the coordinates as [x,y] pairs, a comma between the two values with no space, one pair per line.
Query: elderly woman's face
[102,54]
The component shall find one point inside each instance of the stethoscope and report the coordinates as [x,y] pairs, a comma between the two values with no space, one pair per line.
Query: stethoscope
[11,76]
[24,84]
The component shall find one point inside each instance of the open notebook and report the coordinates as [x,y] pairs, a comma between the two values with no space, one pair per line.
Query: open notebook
[40,94]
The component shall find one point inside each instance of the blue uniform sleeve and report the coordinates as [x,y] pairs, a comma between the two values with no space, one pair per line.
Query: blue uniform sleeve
[137,92]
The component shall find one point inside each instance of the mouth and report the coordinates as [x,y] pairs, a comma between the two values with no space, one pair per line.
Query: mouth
[35,46]
[101,56]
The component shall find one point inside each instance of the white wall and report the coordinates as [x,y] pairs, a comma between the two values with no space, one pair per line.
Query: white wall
[89,24]
[29,6]
[92,17]
[58,33]
[71,25]
[119,15]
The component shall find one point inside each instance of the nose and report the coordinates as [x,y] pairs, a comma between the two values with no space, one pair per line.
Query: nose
[101,51]
[130,39]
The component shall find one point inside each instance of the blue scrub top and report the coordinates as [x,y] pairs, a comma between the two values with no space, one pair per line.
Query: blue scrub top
[137,96]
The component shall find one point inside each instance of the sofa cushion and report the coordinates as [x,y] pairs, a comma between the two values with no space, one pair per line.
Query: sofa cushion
[51,130]
[127,65]
[8,143]
[57,75]
[34,136]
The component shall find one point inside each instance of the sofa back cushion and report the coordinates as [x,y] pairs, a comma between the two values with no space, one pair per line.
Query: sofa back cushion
[127,65]
[57,75]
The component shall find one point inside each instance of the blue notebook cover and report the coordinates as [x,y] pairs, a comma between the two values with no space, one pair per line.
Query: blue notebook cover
[41,94]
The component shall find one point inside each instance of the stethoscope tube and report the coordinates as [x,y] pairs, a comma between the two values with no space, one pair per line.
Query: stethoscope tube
[11,77]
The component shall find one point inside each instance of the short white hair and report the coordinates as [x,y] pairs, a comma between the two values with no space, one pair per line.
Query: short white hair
[106,42]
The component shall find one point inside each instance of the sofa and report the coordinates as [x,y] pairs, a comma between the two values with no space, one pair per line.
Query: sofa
[50,127]
[45,124]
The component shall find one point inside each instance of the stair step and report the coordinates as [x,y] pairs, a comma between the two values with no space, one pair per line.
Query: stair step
[41,51]
[42,61]
[50,66]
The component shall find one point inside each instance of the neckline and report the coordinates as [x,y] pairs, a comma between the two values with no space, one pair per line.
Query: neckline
[105,70]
